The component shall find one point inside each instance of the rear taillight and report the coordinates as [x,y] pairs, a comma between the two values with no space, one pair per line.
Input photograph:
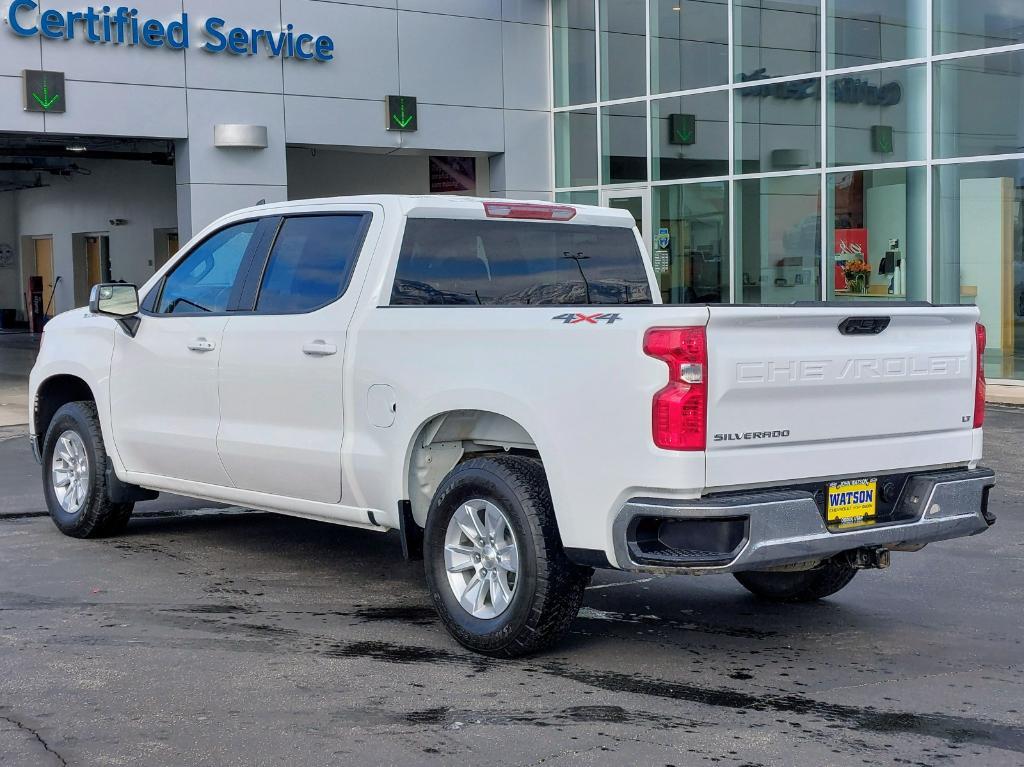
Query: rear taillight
[680,410]
[529,210]
[979,381]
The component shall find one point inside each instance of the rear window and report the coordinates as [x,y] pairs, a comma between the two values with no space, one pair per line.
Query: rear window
[508,263]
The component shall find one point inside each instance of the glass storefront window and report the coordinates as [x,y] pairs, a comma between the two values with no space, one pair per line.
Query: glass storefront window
[862,32]
[623,49]
[877,117]
[583,197]
[978,105]
[778,126]
[964,25]
[576,148]
[778,239]
[690,136]
[878,238]
[691,243]
[979,252]
[689,44]
[574,52]
[624,138]
[774,38]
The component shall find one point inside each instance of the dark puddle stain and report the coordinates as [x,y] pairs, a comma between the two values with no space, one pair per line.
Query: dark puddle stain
[738,632]
[406,654]
[215,609]
[946,727]
[449,717]
[414,615]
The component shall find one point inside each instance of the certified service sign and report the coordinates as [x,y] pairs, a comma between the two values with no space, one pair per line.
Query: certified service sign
[125,26]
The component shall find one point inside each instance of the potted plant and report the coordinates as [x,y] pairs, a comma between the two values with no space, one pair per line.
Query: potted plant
[857,275]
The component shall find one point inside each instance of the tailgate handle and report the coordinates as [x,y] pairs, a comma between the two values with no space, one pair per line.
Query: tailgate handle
[864,326]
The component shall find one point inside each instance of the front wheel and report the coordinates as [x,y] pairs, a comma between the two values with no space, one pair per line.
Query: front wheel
[75,475]
[494,561]
[802,586]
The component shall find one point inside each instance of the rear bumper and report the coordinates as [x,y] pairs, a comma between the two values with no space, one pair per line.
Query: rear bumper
[776,528]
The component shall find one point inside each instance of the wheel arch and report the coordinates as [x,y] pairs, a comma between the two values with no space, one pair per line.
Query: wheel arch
[446,439]
[53,394]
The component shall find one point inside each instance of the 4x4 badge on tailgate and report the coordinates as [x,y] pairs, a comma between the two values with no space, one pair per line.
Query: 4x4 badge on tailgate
[587,319]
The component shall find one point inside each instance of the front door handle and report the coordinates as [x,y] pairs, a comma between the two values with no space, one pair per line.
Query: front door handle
[319,349]
[202,345]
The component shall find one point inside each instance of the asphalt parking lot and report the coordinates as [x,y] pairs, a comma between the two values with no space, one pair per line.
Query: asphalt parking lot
[216,636]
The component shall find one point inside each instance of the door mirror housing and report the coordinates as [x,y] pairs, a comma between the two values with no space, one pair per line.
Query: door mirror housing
[115,299]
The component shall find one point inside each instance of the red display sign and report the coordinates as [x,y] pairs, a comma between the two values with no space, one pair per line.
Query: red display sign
[852,245]
[452,174]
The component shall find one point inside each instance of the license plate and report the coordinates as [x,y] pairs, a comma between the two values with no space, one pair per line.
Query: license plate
[852,503]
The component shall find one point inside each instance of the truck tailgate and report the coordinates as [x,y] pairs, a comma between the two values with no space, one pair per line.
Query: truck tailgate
[792,397]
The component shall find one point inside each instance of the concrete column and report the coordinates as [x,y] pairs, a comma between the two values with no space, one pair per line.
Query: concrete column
[213,181]
[523,170]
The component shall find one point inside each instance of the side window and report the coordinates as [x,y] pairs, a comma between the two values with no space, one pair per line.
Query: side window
[311,263]
[203,281]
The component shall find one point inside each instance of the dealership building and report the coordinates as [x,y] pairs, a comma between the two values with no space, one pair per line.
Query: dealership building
[771,150]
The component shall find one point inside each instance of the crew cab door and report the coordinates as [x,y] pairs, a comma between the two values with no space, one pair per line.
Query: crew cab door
[282,364]
[165,406]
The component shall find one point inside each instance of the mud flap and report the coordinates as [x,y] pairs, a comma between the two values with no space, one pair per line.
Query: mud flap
[412,533]
[119,492]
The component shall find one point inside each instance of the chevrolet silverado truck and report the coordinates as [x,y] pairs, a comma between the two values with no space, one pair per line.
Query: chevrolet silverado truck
[500,382]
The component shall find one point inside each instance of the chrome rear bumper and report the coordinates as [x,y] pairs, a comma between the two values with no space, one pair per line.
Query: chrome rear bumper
[776,528]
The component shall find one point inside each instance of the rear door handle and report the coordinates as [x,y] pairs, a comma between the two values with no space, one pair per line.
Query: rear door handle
[202,345]
[319,349]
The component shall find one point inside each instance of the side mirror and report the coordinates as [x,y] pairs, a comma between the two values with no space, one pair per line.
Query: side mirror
[115,300]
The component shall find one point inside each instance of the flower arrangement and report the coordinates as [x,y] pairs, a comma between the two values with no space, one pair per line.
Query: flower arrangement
[857,273]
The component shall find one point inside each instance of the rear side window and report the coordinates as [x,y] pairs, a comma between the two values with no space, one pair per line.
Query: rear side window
[311,262]
[204,280]
[509,263]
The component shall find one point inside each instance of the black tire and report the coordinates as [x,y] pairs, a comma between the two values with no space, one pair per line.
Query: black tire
[98,515]
[803,586]
[549,588]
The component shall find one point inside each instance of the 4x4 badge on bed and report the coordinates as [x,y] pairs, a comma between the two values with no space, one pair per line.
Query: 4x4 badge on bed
[587,319]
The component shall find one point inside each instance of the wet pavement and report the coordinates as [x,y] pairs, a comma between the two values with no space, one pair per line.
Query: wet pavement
[17,356]
[215,636]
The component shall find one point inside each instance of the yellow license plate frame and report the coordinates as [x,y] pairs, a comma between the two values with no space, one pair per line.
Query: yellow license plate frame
[851,503]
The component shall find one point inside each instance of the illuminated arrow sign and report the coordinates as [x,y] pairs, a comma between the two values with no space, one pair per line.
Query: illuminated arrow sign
[683,129]
[44,91]
[881,139]
[401,113]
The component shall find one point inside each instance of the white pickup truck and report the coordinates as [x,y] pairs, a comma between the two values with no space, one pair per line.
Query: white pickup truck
[498,381]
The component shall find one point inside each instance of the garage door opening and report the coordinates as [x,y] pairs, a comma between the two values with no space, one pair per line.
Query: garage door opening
[75,211]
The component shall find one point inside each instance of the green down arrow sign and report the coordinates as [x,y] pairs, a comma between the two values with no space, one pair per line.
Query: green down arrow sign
[401,113]
[44,91]
[46,100]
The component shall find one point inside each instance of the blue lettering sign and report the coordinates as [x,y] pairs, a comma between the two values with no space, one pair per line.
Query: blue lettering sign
[124,26]
[12,18]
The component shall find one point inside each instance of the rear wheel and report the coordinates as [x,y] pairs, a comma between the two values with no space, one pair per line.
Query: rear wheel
[494,561]
[75,475]
[803,586]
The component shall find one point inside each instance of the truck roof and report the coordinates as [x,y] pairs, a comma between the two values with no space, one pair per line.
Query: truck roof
[433,206]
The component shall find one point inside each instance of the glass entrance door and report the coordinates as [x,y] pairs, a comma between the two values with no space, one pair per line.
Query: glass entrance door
[637,202]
